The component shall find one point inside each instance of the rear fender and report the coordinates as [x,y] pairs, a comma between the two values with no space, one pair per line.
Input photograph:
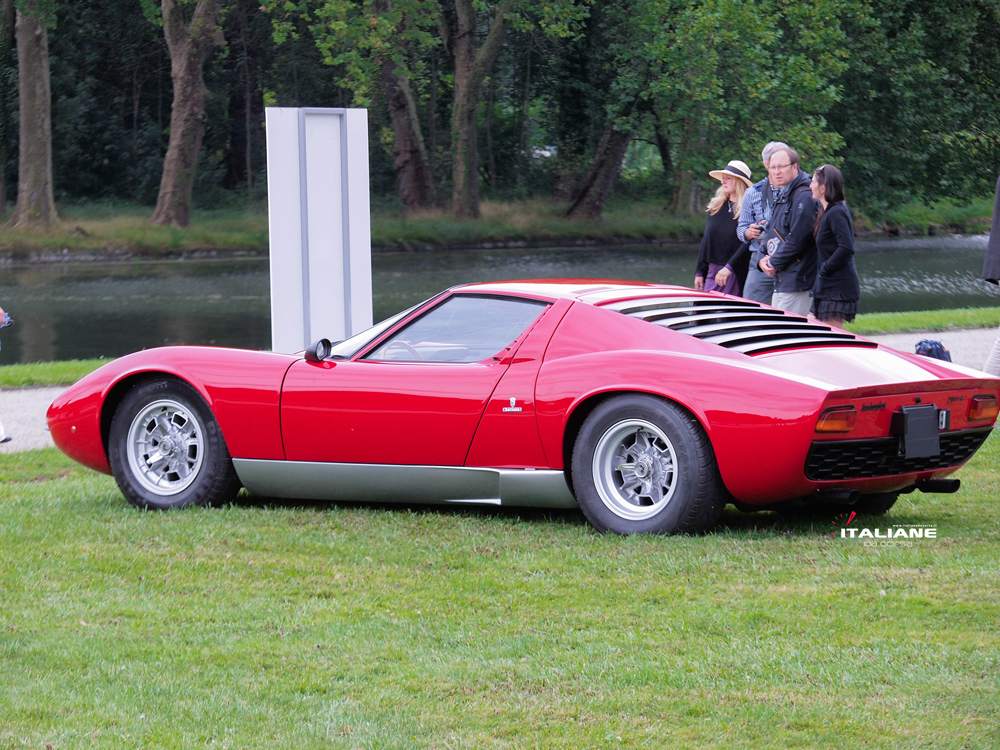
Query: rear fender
[760,424]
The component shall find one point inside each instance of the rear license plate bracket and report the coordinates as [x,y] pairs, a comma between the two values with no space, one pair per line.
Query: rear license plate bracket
[918,428]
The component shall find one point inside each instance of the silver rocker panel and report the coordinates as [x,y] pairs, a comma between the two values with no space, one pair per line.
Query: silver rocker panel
[394,483]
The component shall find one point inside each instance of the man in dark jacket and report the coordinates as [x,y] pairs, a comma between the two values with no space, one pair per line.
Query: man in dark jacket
[792,254]
[991,272]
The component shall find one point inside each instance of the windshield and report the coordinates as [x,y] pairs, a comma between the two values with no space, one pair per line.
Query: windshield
[349,347]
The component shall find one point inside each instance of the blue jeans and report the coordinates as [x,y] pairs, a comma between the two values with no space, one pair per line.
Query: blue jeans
[759,286]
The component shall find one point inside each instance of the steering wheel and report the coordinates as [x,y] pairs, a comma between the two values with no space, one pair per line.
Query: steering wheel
[402,345]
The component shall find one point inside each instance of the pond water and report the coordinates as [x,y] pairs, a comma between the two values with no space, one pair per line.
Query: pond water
[75,311]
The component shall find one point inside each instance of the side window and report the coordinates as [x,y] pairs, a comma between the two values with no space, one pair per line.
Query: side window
[464,328]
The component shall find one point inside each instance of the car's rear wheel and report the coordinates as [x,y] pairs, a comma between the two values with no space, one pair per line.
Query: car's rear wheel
[166,449]
[642,465]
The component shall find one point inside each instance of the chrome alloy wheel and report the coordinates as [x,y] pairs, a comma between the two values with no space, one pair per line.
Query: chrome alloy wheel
[165,447]
[635,469]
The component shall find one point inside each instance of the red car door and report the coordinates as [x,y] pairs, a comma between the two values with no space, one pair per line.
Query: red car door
[416,397]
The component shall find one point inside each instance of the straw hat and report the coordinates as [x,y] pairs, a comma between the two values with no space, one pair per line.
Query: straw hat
[736,168]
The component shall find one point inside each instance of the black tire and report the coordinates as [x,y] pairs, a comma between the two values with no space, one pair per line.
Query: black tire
[673,483]
[167,420]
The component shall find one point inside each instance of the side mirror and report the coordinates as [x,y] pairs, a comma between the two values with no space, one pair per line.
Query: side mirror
[319,351]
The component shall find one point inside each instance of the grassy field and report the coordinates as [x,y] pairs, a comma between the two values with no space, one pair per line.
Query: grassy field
[535,221]
[944,216]
[927,320]
[47,373]
[106,228]
[112,227]
[103,227]
[274,625]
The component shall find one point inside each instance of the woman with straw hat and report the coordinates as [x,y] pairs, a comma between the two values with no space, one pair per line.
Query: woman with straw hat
[718,266]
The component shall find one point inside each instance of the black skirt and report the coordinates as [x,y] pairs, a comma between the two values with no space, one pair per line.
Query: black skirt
[824,309]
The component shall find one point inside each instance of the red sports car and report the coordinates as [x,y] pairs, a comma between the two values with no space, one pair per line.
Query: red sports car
[648,406]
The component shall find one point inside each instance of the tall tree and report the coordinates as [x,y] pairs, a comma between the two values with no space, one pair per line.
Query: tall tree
[7,44]
[376,45]
[36,204]
[413,166]
[712,80]
[472,64]
[378,42]
[190,44]
[921,107]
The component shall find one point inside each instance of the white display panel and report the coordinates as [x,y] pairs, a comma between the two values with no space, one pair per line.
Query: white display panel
[320,225]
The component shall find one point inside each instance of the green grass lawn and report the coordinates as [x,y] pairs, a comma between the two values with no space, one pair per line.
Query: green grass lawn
[947,215]
[104,228]
[927,320]
[113,227]
[272,625]
[47,373]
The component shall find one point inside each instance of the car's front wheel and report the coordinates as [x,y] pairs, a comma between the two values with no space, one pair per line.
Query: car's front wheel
[166,449]
[642,465]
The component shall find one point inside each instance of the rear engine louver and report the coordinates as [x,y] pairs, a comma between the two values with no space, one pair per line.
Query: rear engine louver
[740,325]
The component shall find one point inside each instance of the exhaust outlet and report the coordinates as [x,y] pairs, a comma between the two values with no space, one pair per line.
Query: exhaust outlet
[838,497]
[939,485]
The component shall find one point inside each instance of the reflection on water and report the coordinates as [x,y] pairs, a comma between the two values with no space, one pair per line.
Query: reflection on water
[71,311]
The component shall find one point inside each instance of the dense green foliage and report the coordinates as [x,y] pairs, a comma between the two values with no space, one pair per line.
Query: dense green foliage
[904,94]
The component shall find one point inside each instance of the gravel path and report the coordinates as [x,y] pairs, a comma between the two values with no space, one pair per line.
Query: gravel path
[23,413]
[23,409]
[968,347]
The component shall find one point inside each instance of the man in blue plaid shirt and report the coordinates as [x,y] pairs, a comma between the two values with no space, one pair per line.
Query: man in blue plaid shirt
[754,214]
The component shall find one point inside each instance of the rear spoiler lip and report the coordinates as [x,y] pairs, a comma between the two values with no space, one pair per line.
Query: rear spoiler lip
[987,385]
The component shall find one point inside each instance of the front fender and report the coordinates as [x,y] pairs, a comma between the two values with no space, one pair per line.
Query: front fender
[242,388]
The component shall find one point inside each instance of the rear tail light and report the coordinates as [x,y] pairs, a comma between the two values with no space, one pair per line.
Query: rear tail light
[983,407]
[837,419]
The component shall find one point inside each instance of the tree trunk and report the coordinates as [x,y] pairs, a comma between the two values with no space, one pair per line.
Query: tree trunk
[472,65]
[524,129]
[687,197]
[35,204]
[7,43]
[663,145]
[491,161]
[593,191]
[432,117]
[413,168]
[189,44]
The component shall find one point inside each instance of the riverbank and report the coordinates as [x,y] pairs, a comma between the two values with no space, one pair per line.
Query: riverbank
[110,232]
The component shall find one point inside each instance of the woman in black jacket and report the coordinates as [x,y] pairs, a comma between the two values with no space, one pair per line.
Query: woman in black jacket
[721,266]
[837,288]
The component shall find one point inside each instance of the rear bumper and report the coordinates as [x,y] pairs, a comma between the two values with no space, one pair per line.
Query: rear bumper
[844,460]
